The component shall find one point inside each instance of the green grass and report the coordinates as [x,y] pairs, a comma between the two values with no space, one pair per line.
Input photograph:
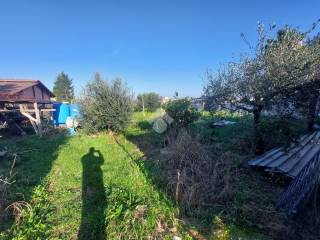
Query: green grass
[114,191]
[205,222]
[79,193]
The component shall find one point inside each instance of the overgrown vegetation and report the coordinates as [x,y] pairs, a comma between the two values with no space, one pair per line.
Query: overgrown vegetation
[204,175]
[181,113]
[196,174]
[193,185]
[284,131]
[105,106]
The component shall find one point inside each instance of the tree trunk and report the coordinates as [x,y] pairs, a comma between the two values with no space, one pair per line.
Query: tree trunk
[312,111]
[142,104]
[258,141]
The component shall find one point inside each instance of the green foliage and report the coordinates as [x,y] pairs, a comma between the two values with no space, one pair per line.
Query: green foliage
[63,88]
[35,224]
[230,138]
[280,71]
[179,110]
[277,131]
[105,106]
[123,202]
[150,102]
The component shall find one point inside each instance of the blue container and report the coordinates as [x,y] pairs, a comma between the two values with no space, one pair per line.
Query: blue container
[61,113]
[74,110]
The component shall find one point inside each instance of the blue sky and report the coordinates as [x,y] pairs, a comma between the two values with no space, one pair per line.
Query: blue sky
[159,46]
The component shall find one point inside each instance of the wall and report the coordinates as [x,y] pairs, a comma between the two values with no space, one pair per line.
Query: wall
[39,94]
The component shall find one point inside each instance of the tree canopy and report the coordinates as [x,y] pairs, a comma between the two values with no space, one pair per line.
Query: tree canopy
[63,88]
[148,101]
[278,69]
[281,71]
[105,105]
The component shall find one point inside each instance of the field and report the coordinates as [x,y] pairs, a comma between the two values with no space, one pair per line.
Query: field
[108,186]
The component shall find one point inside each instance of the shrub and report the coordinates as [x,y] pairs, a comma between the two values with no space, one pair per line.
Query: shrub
[179,110]
[277,131]
[151,102]
[105,106]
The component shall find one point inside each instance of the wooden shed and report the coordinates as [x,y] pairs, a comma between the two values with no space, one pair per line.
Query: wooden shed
[24,91]
[31,98]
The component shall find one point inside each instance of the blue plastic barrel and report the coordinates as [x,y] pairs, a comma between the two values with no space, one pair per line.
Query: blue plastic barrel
[62,111]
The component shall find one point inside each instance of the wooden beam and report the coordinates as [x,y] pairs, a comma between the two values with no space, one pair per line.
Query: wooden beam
[38,122]
[34,127]
[29,116]
[27,110]
[7,110]
[33,120]
[47,110]
[23,112]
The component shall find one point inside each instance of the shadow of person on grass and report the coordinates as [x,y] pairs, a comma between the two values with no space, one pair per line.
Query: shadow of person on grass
[94,199]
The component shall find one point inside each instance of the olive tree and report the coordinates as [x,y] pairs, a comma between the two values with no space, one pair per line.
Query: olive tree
[149,101]
[105,106]
[278,69]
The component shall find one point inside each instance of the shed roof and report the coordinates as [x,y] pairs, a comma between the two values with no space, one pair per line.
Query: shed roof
[12,87]
[292,160]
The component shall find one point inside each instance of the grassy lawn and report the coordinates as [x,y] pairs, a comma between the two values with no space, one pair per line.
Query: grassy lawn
[87,187]
[104,186]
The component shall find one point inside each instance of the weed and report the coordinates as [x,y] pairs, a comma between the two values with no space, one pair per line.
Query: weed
[31,219]
[196,174]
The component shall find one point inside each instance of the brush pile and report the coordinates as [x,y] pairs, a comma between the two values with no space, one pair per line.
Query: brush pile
[196,174]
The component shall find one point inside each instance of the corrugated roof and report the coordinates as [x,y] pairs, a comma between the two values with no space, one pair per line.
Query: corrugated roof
[292,160]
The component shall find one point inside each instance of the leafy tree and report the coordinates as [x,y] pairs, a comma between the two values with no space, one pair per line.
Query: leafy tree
[276,71]
[105,106]
[63,88]
[307,97]
[148,101]
[181,112]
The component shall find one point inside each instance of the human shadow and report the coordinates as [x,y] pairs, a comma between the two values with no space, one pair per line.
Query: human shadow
[94,200]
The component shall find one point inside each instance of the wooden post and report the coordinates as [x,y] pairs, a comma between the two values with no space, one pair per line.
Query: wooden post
[38,122]
[35,122]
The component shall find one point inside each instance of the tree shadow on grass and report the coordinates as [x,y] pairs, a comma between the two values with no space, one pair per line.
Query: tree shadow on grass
[35,157]
[94,200]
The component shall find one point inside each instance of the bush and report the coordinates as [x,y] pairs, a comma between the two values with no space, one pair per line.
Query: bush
[151,102]
[279,132]
[105,106]
[180,111]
